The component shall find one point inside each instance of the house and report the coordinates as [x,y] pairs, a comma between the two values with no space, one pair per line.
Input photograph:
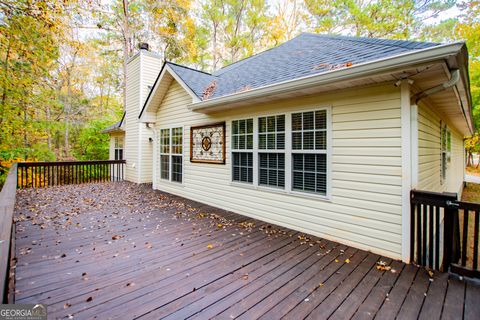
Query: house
[326,135]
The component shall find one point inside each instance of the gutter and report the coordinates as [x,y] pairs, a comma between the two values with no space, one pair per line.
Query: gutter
[455,77]
[358,70]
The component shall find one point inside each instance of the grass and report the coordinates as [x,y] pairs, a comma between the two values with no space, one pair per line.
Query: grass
[471,193]
[473,171]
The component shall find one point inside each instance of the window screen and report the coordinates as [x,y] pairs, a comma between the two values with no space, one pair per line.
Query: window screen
[309,130]
[171,154]
[272,169]
[242,142]
[118,150]
[271,132]
[242,167]
[177,168]
[309,145]
[310,172]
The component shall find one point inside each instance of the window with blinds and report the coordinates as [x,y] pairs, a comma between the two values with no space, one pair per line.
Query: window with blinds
[242,150]
[271,148]
[271,169]
[287,151]
[309,151]
[171,154]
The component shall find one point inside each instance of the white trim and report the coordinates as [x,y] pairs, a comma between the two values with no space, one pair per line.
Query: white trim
[140,129]
[182,83]
[387,64]
[406,166]
[155,161]
[144,107]
[414,144]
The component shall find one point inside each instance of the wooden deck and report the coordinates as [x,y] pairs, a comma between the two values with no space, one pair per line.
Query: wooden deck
[118,250]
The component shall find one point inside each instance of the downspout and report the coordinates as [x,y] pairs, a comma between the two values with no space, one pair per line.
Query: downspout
[151,126]
[455,76]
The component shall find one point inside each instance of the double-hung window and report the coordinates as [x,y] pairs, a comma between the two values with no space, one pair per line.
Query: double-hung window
[289,152]
[118,150]
[309,151]
[242,150]
[271,151]
[171,154]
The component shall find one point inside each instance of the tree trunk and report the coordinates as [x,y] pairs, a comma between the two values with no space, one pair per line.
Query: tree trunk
[127,42]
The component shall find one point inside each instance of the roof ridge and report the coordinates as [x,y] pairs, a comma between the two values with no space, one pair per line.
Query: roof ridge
[183,66]
[373,41]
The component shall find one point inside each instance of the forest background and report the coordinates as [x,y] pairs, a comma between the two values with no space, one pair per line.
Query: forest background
[62,62]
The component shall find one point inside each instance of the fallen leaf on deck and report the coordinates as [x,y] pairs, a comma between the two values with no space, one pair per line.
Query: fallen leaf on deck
[430,273]
[382,266]
[210,246]
[347,260]
[63,255]
[89,299]
[66,305]
[336,260]
[245,276]
[116,237]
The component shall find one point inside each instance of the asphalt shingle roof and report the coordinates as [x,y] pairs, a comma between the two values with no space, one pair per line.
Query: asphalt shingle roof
[304,55]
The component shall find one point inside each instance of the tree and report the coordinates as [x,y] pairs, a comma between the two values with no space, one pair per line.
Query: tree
[399,19]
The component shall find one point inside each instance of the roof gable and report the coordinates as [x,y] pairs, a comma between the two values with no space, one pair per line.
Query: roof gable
[167,74]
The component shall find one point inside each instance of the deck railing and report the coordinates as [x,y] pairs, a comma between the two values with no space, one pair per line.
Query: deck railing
[445,233]
[7,205]
[44,174]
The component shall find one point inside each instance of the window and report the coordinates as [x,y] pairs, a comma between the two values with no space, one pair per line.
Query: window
[289,152]
[446,149]
[118,150]
[171,154]
[272,169]
[242,150]
[271,137]
[309,151]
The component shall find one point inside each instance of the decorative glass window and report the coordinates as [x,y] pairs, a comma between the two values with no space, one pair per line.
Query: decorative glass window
[446,149]
[271,137]
[171,154]
[118,150]
[242,150]
[309,151]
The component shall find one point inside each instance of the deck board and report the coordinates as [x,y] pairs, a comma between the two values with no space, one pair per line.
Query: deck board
[119,250]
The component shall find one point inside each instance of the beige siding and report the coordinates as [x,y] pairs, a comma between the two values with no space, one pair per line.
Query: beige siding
[365,206]
[150,68]
[429,155]
[131,124]
[141,73]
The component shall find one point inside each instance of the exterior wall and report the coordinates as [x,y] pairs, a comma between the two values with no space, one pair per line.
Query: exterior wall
[142,71]
[366,194]
[429,154]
